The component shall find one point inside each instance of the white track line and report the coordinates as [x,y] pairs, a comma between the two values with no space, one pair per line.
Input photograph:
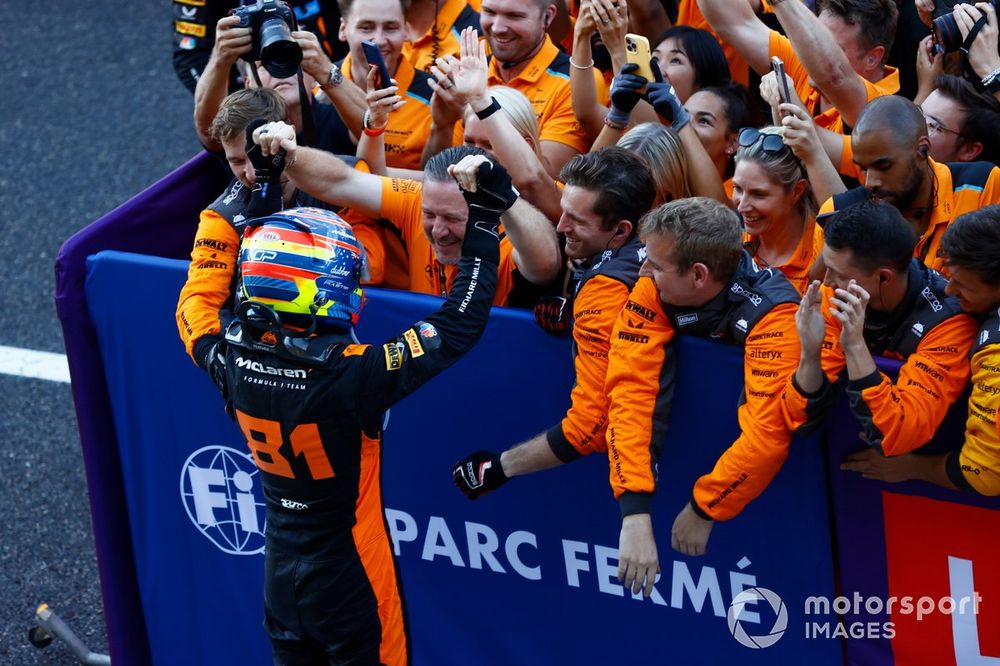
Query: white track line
[34,364]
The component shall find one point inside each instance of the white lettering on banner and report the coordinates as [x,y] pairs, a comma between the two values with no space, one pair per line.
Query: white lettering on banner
[595,565]
[965,625]
[437,530]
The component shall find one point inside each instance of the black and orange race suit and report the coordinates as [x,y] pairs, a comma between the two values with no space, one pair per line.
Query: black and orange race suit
[929,333]
[600,295]
[312,414]
[976,468]
[756,310]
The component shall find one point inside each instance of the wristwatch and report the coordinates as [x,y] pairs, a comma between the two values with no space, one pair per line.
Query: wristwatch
[991,82]
[336,77]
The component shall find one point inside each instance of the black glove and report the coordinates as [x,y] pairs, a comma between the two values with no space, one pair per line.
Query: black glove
[265,198]
[478,473]
[553,314]
[210,354]
[494,194]
[626,91]
[665,102]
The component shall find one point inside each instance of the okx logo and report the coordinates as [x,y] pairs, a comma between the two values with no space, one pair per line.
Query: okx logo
[220,489]
[738,616]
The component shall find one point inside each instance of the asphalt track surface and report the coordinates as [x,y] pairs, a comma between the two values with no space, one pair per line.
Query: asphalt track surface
[90,113]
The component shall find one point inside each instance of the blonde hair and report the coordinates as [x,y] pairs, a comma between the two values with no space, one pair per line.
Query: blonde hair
[518,110]
[663,153]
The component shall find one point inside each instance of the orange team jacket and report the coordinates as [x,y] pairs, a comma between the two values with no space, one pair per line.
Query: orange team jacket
[797,268]
[756,310]
[976,468]
[929,334]
[409,126]
[600,295]
[443,38]
[960,187]
[830,119]
[402,207]
[545,82]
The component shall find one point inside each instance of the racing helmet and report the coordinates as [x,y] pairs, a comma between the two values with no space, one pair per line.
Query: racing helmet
[306,265]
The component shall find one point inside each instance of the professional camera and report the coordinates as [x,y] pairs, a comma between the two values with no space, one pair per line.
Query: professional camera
[271,23]
[946,32]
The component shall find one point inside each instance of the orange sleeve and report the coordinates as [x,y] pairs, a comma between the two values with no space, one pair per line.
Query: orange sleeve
[372,238]
[505,272]
[640,386]
[209,281]
[745,469]
[991,191]
[904,415]
[595,310]
[781,46]
[401,205]
[559,124]
[977,466]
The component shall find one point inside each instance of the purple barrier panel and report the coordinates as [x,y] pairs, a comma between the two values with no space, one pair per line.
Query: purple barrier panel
[912,540]
[161,220]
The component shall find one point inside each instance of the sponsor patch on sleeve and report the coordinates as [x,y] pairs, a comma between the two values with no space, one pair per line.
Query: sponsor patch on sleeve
[428,335]
[413,341]
[393,356]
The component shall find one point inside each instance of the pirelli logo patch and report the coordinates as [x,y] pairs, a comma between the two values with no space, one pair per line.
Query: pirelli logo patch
[413,341]
[393,356]
[188,28]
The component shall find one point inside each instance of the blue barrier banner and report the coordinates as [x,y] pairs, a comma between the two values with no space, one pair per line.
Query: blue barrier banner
[523,576]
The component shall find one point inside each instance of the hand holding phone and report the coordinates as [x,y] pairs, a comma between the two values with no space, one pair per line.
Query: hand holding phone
[374,57]
[778,67]
[637,51]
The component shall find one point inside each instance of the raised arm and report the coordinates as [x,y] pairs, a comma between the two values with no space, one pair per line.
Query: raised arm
[321,174]
[823,58]
[737,24]
[348,99]
[381,102]
[231,42]
[447,107]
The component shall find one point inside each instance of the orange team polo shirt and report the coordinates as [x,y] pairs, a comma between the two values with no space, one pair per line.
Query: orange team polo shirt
[950,201]
[402,207]
[688,13]
[545,81]
[409,126]
[797,268]
[830,119]
[453,16]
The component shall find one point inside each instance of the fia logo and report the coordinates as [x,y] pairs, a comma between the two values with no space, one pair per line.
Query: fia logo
[220,489]
[742,325]
[918,329]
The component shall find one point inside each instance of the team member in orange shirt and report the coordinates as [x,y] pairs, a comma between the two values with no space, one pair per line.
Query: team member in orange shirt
[606,194]
[430,215]
[891,145]
[972,250]
[838,60]
[878,300]
[435,27]
[696,281]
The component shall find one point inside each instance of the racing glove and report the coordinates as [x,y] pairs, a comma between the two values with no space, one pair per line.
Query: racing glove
[626,91]
[265,198]
[478,473]
[665,102]
[494,194]
[552,313]
[210,354]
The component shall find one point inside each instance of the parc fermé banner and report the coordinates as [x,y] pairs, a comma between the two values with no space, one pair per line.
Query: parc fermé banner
[525,575]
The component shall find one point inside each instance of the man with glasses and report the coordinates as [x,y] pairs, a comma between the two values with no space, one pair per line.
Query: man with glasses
[891,146]
[962,124]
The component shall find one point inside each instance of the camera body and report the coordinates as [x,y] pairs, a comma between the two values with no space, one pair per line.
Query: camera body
[271,23]
[946,32]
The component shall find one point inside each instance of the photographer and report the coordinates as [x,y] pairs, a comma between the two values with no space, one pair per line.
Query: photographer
[984,52]
[233,42]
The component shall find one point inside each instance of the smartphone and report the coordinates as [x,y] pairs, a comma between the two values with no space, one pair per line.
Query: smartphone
[778,67]
[637,51]
[374,57]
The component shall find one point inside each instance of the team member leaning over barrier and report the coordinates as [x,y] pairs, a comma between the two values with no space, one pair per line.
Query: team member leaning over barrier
[697,280]
[878,300]
[971,249]
[606,194]
[311,403]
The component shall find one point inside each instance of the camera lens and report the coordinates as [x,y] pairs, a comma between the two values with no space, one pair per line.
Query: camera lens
[279,53]
[949,37]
